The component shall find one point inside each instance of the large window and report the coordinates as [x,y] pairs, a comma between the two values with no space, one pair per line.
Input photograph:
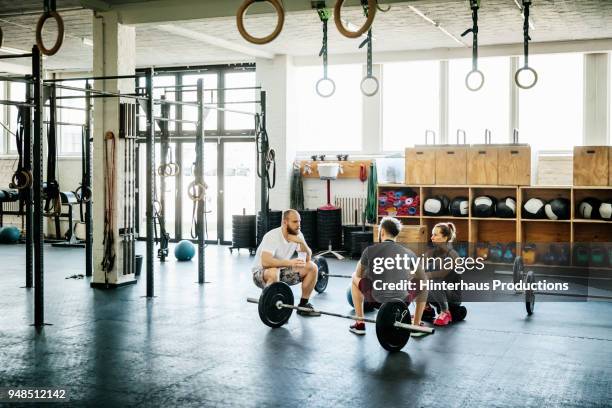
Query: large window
[334,123]
[487,108]
[210,96]
[16,93]
[70,136]
[239,121]
[410,103]
[550,113]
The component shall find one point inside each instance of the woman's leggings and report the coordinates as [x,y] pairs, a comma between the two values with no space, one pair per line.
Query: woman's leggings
[443,297]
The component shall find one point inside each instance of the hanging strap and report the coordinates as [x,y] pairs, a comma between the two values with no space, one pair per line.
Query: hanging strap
[474,6]
[108,260]
[368,42]
[526,39]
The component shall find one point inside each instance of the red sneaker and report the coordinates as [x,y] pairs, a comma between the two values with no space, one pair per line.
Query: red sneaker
[358,328]
[443,319]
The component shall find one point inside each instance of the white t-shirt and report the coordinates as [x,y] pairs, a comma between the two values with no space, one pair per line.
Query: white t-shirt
[275,243]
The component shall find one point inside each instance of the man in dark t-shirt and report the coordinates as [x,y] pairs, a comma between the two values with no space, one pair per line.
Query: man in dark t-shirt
[386,271]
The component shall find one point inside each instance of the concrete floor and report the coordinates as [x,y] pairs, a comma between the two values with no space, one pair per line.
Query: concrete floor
[205,346]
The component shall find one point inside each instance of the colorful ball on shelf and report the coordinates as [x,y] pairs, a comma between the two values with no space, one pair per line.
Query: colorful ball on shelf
[408,201]
[484,206]
[506,208]
[605,210]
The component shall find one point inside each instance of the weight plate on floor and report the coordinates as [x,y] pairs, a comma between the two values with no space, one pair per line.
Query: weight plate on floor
[517,269]
[269,313]
[322,274]
[529,294]
[390,337]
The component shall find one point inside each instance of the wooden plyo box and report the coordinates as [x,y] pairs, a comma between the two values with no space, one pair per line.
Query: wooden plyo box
[591,165]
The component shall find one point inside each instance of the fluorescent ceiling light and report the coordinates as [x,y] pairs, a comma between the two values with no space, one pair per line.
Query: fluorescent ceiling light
[437,25]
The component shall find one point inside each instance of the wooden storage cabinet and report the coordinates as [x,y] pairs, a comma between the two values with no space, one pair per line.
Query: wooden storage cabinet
[420,165]
[591,165]
[514,165]
[482,164]
[517,233]
[451,165]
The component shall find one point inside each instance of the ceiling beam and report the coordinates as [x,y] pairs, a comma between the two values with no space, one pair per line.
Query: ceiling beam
[171,10]
[15,69]
[502,50]
[215,41]
[96,5]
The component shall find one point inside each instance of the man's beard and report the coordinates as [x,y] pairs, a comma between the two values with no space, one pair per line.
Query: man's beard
[293,231]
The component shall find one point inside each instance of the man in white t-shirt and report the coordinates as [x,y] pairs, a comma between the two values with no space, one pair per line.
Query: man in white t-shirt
[274,260]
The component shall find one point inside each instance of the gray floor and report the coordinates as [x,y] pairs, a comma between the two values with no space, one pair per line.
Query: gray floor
[205,346]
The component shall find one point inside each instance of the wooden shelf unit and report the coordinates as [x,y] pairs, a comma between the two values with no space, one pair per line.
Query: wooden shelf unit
[515,230]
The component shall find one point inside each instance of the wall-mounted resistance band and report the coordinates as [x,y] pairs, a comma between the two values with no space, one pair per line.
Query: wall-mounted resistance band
[325,86]
[108,260]
[263,146]
[83,191]
[370,4]
[50,12]
[51,189]
[197,194]
[526,38]
[369,83]
[21,179]
[476,75]
[280,13]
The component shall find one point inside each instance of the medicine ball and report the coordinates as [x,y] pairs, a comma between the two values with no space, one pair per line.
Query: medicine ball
[484,206]
[367,306]
[605,210]
[9,235]
[558,209]
[436,205]
[184,250]
[588,208]
[534,209]
[459,207]
[506,208]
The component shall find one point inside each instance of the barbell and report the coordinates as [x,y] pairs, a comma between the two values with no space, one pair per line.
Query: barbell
[323,274]
[393,321]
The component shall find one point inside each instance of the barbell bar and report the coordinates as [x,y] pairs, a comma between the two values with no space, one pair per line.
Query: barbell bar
[276,305]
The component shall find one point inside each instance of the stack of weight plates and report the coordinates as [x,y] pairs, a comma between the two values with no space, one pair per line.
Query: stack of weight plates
[329,228]
[243,231]
[309,226]
[346,234]
[360,240]
[274,221]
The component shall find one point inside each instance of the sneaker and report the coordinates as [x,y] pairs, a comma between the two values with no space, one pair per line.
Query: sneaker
[429,314]
[458,313]
[419,334]
[358,328]
[311,312]
[443,319]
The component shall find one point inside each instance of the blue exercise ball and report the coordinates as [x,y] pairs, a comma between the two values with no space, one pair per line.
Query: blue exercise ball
[349,297]
[10,235]
[184,250]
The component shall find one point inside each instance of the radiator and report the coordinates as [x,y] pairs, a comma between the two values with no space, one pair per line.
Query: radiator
[348,206]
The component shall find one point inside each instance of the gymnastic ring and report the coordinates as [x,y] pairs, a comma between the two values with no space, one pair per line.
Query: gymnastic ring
[84,194]
[535,78]
[21,180]
[366,26]
[467,82]
[60,32]
[196,191]
[363,91]
[280,12]
[176,169]
[333,89]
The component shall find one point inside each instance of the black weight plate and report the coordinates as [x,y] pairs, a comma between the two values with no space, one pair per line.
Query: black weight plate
[269,313]
[390,337]
[517,269]
[322,274]
[529,294]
